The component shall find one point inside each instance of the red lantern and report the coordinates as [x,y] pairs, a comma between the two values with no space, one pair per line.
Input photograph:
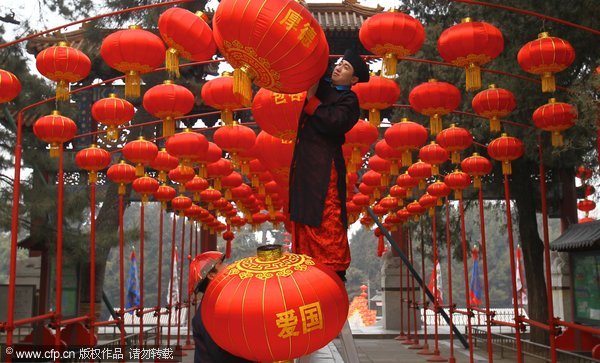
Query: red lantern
[210,195]
[64,65]
[439,190]
[145,186]
[10,87]
[141,152]
[196,185]
[586,220]
[381,166]
[181,175]
[434,99]
[406,136]
[494,103]
[228,182]
[420,171]
[428,202]
[361,200]
[164,162]
[55,130]
[92,159]
[286,51]
[389,203]
[359,139]
[399,193]
[122,174]
[505,149]
[392,35]
[387,152]
[164,194]
[555,117]
[180,204]
[373,179]
[407,182]
[457,181]
[274,154]
[218,170]
[583,173]
[168,101]
[415,209]
[278,113]
[241,192]
[476,166]
[235,139]
[187,146]
[455,139]
[112,112]
[134,52]
[375,95]
[545,56]
[187,35]
[586,206]
[218,93]
[212,155]
[434,155]
[470,45]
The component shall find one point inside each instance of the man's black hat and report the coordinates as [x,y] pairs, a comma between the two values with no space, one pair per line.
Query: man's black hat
[361,70]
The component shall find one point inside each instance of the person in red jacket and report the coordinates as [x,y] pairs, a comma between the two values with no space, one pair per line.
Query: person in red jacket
[318,171]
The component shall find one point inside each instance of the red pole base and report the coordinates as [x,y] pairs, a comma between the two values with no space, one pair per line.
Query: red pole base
[416,346]
[188,347]
[178,352]
[425,350]
[437,358]
[401,337]
[408,341]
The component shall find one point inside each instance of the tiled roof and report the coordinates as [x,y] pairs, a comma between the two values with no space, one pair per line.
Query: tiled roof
[578,237]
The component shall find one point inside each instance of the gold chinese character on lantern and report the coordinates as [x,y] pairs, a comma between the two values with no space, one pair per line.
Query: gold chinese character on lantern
[312,318]
[307,35]
[287,322]
[291,19]
[279,98]
[297,97]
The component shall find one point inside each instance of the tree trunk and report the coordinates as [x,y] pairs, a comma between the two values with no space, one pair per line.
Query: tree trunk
[533,251]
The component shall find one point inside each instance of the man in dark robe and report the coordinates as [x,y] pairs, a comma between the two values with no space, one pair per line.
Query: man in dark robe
[318,171]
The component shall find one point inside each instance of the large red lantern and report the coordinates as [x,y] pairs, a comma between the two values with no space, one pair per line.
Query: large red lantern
[92,159]
[555,117]
[375,95]
[64,65]
[399,193]
[180,203]
[284,305]
[455,139]
[134,52]
[286,51]
[145,186]
[457,181]
[415,209]
[209,196]
[55,130]
[10,87]
[164,194]
[359,139]
[470,45]
[494,103]
[434,99]
[278,113]
[168,101]
[187,35]
[122,174]
[187,146]
[420,171]
[583,173]
[181,175]
[407,182]
[434,155]
[213,154]
[218,170]
[382,166]
[235,139]
[218,93]
[373,179]
[112,112]
[476,166]
[387,152]
[505,149]
[392,35]
[406,136]
[141,152]
[275,154]
[164,162]
[228,182]
[439,190]
[545,56]
[428,202]
[196,185]
[586,206]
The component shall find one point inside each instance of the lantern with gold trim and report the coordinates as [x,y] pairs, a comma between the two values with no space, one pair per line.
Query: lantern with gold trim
[359,139]
[134,52]
[168,101]
[420,171]
[55,130]
[428,202]
[476,166]
[415,209]
[64,65]
[187,146]
[141,152]
[434,99]
[218,93]
[392,35]
[278,113]
[145,186]
[555,117]
[187,35]
[92,159]
[286,51]
[180,204]
[439,190]
[112,112]
[399,193]
[10,87]
[505,149]
[122,174]
[406,136]
[164,162]
[382,166]
[164,194]
[494,103]
[407,182]
[470,45]
[545,56]
[434,155]
[196,185]
[388,153]
[454,140]
[181,175]
[457,181]
[235,139]
[375,95]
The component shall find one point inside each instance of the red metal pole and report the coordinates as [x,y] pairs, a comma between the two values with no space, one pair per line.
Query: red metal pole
[178,349]
[122,271]
[409,340]
[436,357]
[59,243]
[425,350]
[548,273]
[415,305]
[170,291]
[402,336]
[158,340]
[512,269]
[488,315]
[188,344]
[451,358]
[463,240]
[140,311]
[92,262]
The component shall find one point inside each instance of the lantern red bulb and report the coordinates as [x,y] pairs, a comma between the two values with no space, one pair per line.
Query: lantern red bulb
[454,140]
[434,155]
[55,130]
[555,117]
[10,87]
[141,152]
[457,181]
[112,112]
[168,101]
[145,186]
[122,174]
[359,139]
[64,65]
[406,136]
[375,95]
[476,166]
[92,159]
[494,103]
[434,99]
[164,162]
[505,149]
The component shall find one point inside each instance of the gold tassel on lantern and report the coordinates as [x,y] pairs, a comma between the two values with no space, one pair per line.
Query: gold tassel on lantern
[228,194]
[385,180]
[435,169]
[458,194]
[145,200]
[227,117]
[356,156]
[557,139]
[389,65]
[162,176]
[494,124]
[55,149]
[202,171]
[62,90]
[376,193]
[406,157]
[409,192]
[473,77]
[548,82]
[422,184]
[172,62]
[181,188]
[92,177]
[217,183]
[168,127]
[245,168]
[374,117]
[196,197]
[242,84]
[112,133]
[351,168]
[477,182]
[439,202]
[132,84]
[261,189]
[455,157]
[254,180]
[121,189]
[400,202]
[139,170]
[435,124]
[506,168]
[394,168]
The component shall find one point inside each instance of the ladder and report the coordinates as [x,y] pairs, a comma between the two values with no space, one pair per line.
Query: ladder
[349,353]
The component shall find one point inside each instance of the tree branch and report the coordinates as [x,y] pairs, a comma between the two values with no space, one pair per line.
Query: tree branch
[10,18]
